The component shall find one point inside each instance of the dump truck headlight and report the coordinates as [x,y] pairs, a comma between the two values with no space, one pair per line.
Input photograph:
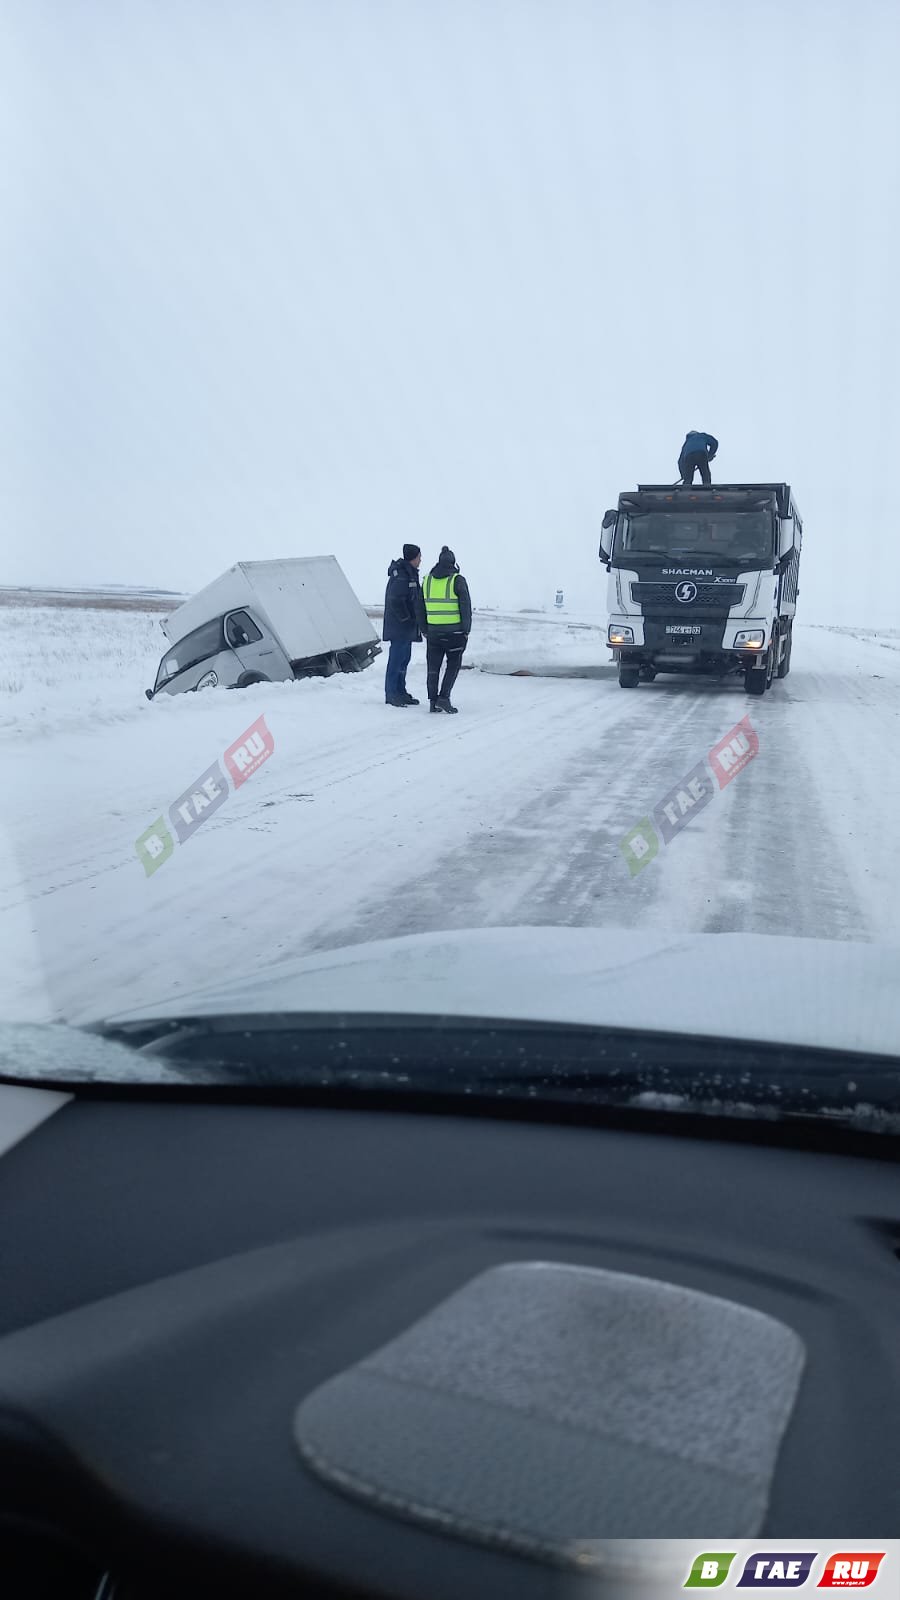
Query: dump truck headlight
[620,635]
[750,639]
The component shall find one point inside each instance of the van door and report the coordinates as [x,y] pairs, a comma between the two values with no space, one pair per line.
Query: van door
[256,650]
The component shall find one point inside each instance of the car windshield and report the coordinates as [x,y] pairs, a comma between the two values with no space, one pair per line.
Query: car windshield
[332,332]
[732,535]
[197,646]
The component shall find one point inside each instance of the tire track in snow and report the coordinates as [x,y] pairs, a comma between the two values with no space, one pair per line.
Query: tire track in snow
[552,856]
[756,859]
[511,813]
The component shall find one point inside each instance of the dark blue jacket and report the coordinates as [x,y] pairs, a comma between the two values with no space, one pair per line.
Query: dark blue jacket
[404,611]
[700,444]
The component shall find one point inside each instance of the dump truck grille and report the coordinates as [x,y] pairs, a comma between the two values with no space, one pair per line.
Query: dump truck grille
[664,596]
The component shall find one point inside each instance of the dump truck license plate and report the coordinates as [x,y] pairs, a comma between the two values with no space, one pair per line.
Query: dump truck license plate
[682,627]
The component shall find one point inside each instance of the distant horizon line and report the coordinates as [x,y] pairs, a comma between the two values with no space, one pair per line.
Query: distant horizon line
[146,592]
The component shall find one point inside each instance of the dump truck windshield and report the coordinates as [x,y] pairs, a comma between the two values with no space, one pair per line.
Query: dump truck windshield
[727,535]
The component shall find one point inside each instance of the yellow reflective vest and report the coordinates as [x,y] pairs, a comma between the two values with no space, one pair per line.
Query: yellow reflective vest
[441,602]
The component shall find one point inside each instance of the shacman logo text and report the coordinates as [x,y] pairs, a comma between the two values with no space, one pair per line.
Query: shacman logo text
[785,1569]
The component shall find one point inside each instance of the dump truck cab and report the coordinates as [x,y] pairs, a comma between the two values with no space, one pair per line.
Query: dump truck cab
[702,581]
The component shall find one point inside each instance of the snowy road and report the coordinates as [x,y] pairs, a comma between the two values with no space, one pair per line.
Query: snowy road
[369,822]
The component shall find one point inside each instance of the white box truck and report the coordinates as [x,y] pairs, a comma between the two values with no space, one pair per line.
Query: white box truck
[703,581]
[264,622]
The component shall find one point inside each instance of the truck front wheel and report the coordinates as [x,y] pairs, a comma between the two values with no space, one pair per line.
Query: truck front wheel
[784,665]
[629,677]
[756,679]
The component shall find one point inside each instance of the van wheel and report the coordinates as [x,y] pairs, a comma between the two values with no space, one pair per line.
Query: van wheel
[249,678]
[629,677]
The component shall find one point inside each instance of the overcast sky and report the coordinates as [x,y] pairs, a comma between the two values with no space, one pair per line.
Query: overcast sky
[300,278]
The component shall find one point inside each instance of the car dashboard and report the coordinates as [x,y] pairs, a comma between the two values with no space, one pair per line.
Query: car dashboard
[182,1271]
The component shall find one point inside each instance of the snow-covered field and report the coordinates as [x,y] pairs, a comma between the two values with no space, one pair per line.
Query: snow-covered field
[368,822]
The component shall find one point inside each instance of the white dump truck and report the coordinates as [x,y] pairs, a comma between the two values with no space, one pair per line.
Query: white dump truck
[264,622]
[703,580]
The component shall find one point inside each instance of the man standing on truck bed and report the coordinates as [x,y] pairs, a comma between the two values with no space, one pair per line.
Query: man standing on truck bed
[403,619]
[448,615]
[698,450]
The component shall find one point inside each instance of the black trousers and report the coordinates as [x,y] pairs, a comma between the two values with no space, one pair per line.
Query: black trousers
[692,461]
[443,647]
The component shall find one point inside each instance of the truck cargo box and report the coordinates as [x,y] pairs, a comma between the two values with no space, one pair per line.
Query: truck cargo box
[306,600]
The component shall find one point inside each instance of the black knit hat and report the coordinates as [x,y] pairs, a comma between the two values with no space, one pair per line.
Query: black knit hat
[446,557]
[410,551]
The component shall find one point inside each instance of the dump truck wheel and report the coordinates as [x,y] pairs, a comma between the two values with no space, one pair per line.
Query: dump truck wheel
[629,677]
[784,665]
[756,679]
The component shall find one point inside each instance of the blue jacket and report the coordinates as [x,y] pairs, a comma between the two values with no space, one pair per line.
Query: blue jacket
[699,444]
[404,610]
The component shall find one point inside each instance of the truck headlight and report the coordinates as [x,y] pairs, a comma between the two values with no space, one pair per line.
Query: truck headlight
[750,639]
[208,681]
[618,635]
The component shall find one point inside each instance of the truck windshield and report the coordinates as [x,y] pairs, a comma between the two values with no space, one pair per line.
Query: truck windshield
[197,646]
[728,535]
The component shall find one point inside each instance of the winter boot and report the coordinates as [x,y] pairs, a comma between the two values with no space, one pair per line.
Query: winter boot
[443,704]
[409,699]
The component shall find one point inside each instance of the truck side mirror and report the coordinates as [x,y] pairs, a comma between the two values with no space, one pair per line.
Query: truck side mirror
[609,521]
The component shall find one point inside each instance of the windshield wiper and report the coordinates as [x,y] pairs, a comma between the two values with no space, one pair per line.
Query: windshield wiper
[508,1059]
[706,557]
[709,557]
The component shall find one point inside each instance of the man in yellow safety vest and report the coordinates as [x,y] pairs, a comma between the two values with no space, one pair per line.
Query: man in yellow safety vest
[448,623]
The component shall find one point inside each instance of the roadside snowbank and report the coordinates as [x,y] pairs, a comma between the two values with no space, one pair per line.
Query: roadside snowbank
[62,667]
